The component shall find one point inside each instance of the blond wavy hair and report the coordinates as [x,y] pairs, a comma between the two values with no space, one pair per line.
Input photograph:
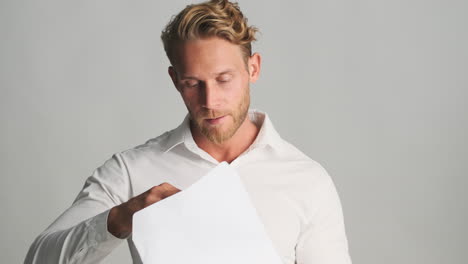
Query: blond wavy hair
[219,18]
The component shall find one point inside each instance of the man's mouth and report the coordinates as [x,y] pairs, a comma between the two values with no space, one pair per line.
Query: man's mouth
[214,121]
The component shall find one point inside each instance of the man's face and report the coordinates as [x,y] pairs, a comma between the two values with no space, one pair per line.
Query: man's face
[213,79]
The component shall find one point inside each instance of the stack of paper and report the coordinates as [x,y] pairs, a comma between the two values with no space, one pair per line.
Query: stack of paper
[211,222]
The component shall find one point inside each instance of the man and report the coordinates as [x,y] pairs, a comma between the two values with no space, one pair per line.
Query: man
[212,66]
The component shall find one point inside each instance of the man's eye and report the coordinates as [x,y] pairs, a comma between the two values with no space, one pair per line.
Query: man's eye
[191,84]
[224,80]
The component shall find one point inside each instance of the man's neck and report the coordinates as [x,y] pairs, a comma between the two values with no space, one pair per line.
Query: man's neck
[231,148]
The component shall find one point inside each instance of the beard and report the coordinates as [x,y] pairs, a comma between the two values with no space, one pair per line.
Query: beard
[215,133]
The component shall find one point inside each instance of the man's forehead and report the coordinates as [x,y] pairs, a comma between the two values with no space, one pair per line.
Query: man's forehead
[207,57]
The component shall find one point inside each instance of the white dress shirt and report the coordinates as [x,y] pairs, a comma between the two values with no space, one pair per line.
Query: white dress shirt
[295,197]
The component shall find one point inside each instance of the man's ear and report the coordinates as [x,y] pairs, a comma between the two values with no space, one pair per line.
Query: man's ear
[255,62]
[172,72]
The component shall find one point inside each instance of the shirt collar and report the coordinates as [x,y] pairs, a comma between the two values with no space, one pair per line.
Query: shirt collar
[266,136]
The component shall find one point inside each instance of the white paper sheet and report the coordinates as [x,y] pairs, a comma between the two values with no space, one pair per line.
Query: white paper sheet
[210,222]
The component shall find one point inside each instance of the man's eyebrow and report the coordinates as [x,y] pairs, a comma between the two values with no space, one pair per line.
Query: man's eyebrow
[224,72]
[188,77]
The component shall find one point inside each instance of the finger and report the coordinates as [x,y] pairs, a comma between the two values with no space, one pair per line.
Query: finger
[167,189]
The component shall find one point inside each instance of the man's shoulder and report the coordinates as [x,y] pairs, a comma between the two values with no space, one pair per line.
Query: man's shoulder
[301,164]
[154,146]
[291,152]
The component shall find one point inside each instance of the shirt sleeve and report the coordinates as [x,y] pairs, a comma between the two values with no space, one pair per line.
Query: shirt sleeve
[323,238]
[80,234]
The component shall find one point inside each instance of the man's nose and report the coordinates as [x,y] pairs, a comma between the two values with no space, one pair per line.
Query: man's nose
[211,95]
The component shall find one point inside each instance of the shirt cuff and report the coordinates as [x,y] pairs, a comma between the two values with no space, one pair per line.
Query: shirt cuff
[101,238]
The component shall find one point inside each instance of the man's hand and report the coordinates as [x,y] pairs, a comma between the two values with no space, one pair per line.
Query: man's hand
[119,221]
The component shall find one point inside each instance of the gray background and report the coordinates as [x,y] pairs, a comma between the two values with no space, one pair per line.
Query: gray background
[373,90]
